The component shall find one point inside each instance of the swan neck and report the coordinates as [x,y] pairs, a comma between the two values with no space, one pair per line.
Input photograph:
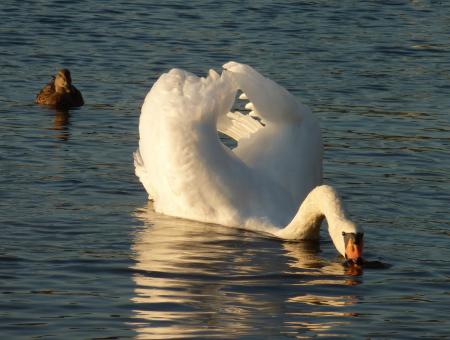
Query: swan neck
[329,204]
[322,202]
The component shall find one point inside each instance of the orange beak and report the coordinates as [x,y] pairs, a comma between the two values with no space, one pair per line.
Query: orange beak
[353,248]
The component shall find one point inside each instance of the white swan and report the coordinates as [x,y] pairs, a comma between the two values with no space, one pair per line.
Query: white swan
[275,168]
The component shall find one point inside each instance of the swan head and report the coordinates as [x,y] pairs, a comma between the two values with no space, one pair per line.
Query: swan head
[63,80]
[354,243]
[324,202]
[348,240]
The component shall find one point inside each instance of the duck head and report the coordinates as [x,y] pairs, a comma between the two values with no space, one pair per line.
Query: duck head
[63,80]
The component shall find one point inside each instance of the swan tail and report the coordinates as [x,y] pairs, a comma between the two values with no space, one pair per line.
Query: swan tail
[141,173]
[237,125]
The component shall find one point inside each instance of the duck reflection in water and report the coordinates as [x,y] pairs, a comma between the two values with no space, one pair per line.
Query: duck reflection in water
[199,279]
[61,124]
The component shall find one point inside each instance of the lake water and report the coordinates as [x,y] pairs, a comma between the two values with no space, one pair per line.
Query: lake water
[82,254]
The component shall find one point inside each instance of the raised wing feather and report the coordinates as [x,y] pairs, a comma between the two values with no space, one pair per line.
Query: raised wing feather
[270,101]
[237,125]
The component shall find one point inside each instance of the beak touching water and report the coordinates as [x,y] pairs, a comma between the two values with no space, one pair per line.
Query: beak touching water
[353,247]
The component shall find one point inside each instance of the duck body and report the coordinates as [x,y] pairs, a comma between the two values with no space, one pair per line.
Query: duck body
[60,92]
[260,185]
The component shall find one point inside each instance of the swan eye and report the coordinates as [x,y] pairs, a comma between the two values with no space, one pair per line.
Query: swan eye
[357,238]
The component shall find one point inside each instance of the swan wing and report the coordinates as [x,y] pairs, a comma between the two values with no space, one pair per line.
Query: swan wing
[238,125]
[269,100]
[182,163]
[177,144]
[288,148]
[141,173]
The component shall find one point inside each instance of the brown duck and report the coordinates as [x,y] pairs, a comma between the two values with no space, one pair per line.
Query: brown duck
[60,92]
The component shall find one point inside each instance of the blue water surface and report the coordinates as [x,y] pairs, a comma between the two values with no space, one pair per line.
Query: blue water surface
[83,255]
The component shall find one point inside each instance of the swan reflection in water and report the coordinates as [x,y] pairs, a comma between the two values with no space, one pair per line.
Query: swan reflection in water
[199,280]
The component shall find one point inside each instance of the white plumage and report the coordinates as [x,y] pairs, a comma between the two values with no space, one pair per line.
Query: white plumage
[261,183]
